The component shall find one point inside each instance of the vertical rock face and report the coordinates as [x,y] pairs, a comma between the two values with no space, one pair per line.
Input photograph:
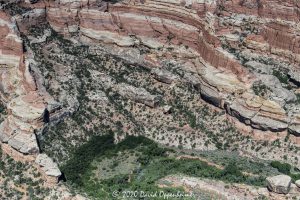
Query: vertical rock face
[19,92]
[150,22]
[25,102]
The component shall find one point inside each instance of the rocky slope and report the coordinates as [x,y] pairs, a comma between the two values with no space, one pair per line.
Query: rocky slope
[226,38]
[150,67]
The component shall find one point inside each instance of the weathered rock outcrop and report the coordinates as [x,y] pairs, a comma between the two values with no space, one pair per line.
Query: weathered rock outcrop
[49,167]
[163,75]
[194,24]
[280,184]
[259,113]
[25,103]
[25,106]
[222,47]
[138,94]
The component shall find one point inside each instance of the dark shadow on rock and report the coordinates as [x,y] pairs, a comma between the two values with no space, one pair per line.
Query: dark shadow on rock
[46,117]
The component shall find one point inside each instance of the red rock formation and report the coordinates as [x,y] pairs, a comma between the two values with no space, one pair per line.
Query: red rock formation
[283,37]
[25,103]
[281,9]
[280,20]
[19,91]
[165,22]
[198,25]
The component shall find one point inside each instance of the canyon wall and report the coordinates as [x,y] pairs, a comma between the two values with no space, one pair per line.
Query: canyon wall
[25,106]
[25,101]
[230,41]
[251,27]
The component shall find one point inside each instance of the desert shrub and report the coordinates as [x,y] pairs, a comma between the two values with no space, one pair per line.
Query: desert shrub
[284,168]
[232,173]
[283,78]
[260,89]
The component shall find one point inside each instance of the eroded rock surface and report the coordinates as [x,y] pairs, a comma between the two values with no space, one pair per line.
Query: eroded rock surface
[50,168]
[138,94]
[25,101]
[280,184]
[241,56]
[217,31]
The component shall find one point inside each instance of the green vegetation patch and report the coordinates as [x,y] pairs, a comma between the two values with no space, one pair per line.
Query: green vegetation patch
[152,163]
[283,78]
[298,98]
[285,168]
[260,89]
[14,8]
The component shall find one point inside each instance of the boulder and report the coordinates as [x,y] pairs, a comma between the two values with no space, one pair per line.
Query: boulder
[266,123]
[163,75]
[48,165]
[167,109]
[295,76]
[210,95]
[297,183]
[279,93]
[295,129]
[241,111]
[192,79]
[24,143]
[140,95]
[294,126]
[280,184]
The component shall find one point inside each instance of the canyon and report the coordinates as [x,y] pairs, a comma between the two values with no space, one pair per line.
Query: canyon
[223,77]
[239,57]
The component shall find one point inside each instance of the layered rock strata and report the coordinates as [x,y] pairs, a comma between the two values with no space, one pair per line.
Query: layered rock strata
[203,26]
[223,48]
[26,104]
[196,25]
[138,94]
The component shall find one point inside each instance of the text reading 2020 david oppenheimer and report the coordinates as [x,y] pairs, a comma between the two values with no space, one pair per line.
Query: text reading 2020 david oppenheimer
[145,194]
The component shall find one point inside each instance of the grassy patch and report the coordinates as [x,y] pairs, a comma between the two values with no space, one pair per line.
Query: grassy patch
[151,164]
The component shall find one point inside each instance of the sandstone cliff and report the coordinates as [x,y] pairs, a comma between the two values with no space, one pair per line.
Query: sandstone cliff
[224,34]
[241,56]
[26,102]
